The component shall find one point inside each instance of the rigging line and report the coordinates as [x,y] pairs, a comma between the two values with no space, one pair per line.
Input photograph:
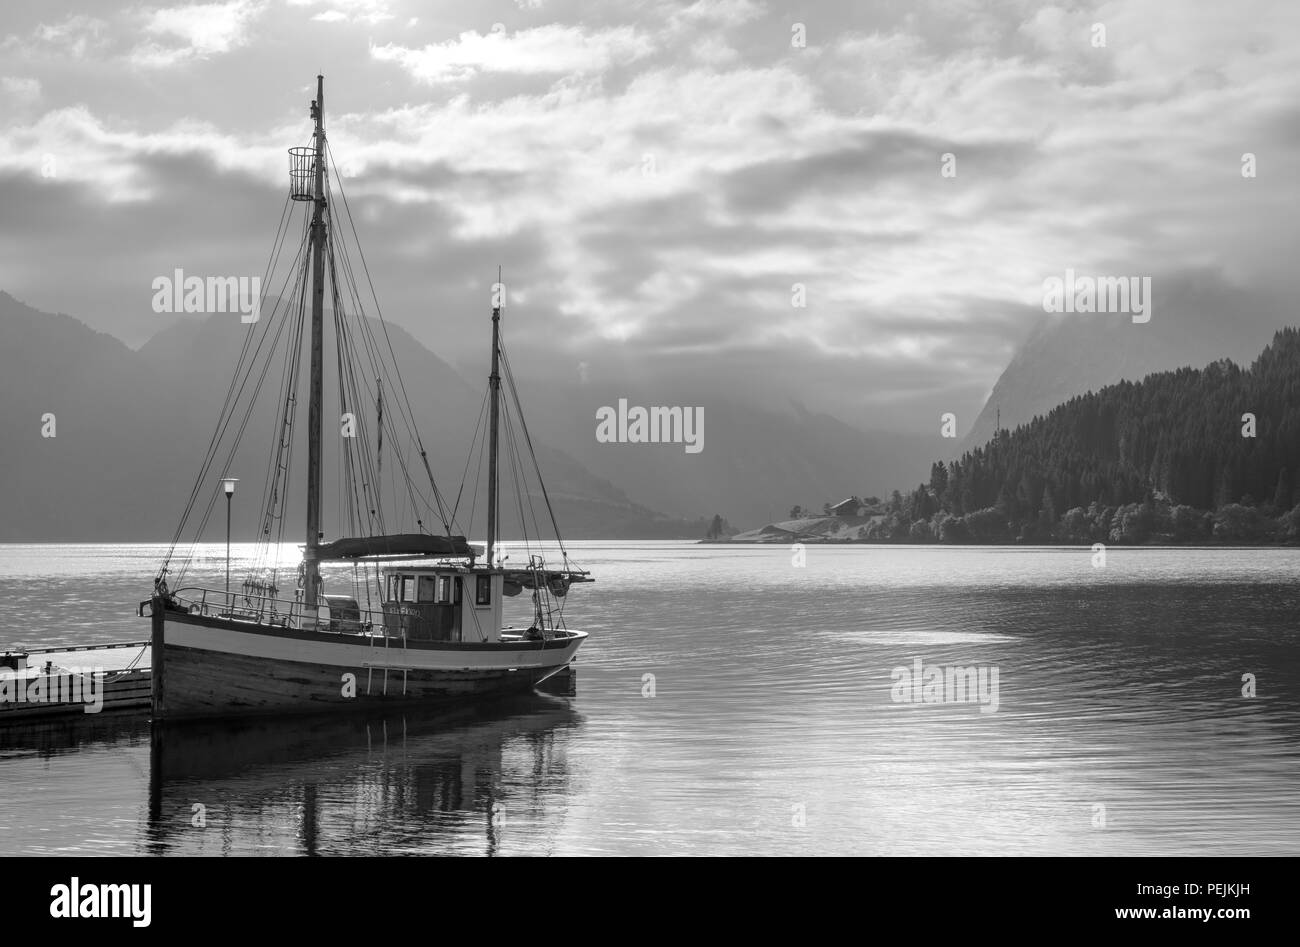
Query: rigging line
[270,487]
[379,366]
[286,394]
[401,459]
[281,234]
[197,486]
[414,438]
[348,393]
[359,463]
[478,475]
[532,507]
[537,466]
[408,481]
[282,456]
[278,467]
[343,454]
[368,470]
[372,350]
[514,394]
[372,467]
[384,325]
[239,433]
[516,472]
[357,446]
[282,432]
[211,444]
[473,613]
[348,455]
[291,399]
[342,394]
[223,424]
[478,426]
[522,495]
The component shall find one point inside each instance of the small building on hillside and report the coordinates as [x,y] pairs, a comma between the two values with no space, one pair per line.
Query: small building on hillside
[852,507]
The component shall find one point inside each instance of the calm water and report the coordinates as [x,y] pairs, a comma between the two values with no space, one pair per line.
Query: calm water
[771,729]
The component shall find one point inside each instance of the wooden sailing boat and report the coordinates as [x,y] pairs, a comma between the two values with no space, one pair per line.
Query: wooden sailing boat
[436,632]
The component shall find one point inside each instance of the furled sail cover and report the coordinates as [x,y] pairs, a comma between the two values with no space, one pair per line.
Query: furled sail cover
[403,544]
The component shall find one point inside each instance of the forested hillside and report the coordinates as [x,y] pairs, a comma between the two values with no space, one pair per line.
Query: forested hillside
[1189,455]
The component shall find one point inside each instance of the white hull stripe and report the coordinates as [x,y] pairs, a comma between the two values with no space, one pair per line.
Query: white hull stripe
[347,654]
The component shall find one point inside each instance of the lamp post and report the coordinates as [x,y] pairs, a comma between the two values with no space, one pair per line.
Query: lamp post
[229,484]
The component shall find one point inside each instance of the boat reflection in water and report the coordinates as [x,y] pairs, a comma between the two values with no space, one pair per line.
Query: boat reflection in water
[424,782]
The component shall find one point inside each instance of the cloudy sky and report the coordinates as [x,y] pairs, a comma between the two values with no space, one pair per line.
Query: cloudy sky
[654,177]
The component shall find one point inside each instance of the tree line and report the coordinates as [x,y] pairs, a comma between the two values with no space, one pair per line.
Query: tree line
[1210,454]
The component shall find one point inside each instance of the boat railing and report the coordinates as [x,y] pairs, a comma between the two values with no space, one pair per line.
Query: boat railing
[394,620]
[279,612]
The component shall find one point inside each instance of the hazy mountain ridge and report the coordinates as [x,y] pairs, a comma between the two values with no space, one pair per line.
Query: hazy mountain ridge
[1198,318]
[130,429]
[753,459]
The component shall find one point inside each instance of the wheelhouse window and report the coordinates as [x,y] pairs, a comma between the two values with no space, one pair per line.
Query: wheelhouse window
[483,590]
[408,588]
[426,588]
[444,590]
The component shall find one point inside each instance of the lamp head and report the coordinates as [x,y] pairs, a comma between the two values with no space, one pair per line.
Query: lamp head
[229,484]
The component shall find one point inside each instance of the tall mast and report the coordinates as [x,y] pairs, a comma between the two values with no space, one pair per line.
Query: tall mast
[494,387]
[311,571]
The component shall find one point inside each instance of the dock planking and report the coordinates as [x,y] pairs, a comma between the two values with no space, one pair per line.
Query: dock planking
[82,679]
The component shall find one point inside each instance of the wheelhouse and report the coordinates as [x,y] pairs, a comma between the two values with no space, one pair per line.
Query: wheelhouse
[442,603]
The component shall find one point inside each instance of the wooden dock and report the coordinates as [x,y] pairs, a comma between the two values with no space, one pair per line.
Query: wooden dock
[54,682]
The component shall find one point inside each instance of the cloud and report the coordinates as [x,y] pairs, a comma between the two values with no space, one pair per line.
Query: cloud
[195,32]
[348,11]
[72,37]
[543,50]
[21,90]
[767,166]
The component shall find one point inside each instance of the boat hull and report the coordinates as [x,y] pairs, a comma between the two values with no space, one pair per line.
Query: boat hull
[213,667]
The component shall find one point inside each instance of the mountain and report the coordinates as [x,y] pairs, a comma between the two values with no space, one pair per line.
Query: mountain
[754,462]
[1186,455]
[93,394]
[131,427]
[139,421]
[1198,318]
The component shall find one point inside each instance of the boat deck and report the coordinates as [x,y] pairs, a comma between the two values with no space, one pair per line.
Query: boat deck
[108,657]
